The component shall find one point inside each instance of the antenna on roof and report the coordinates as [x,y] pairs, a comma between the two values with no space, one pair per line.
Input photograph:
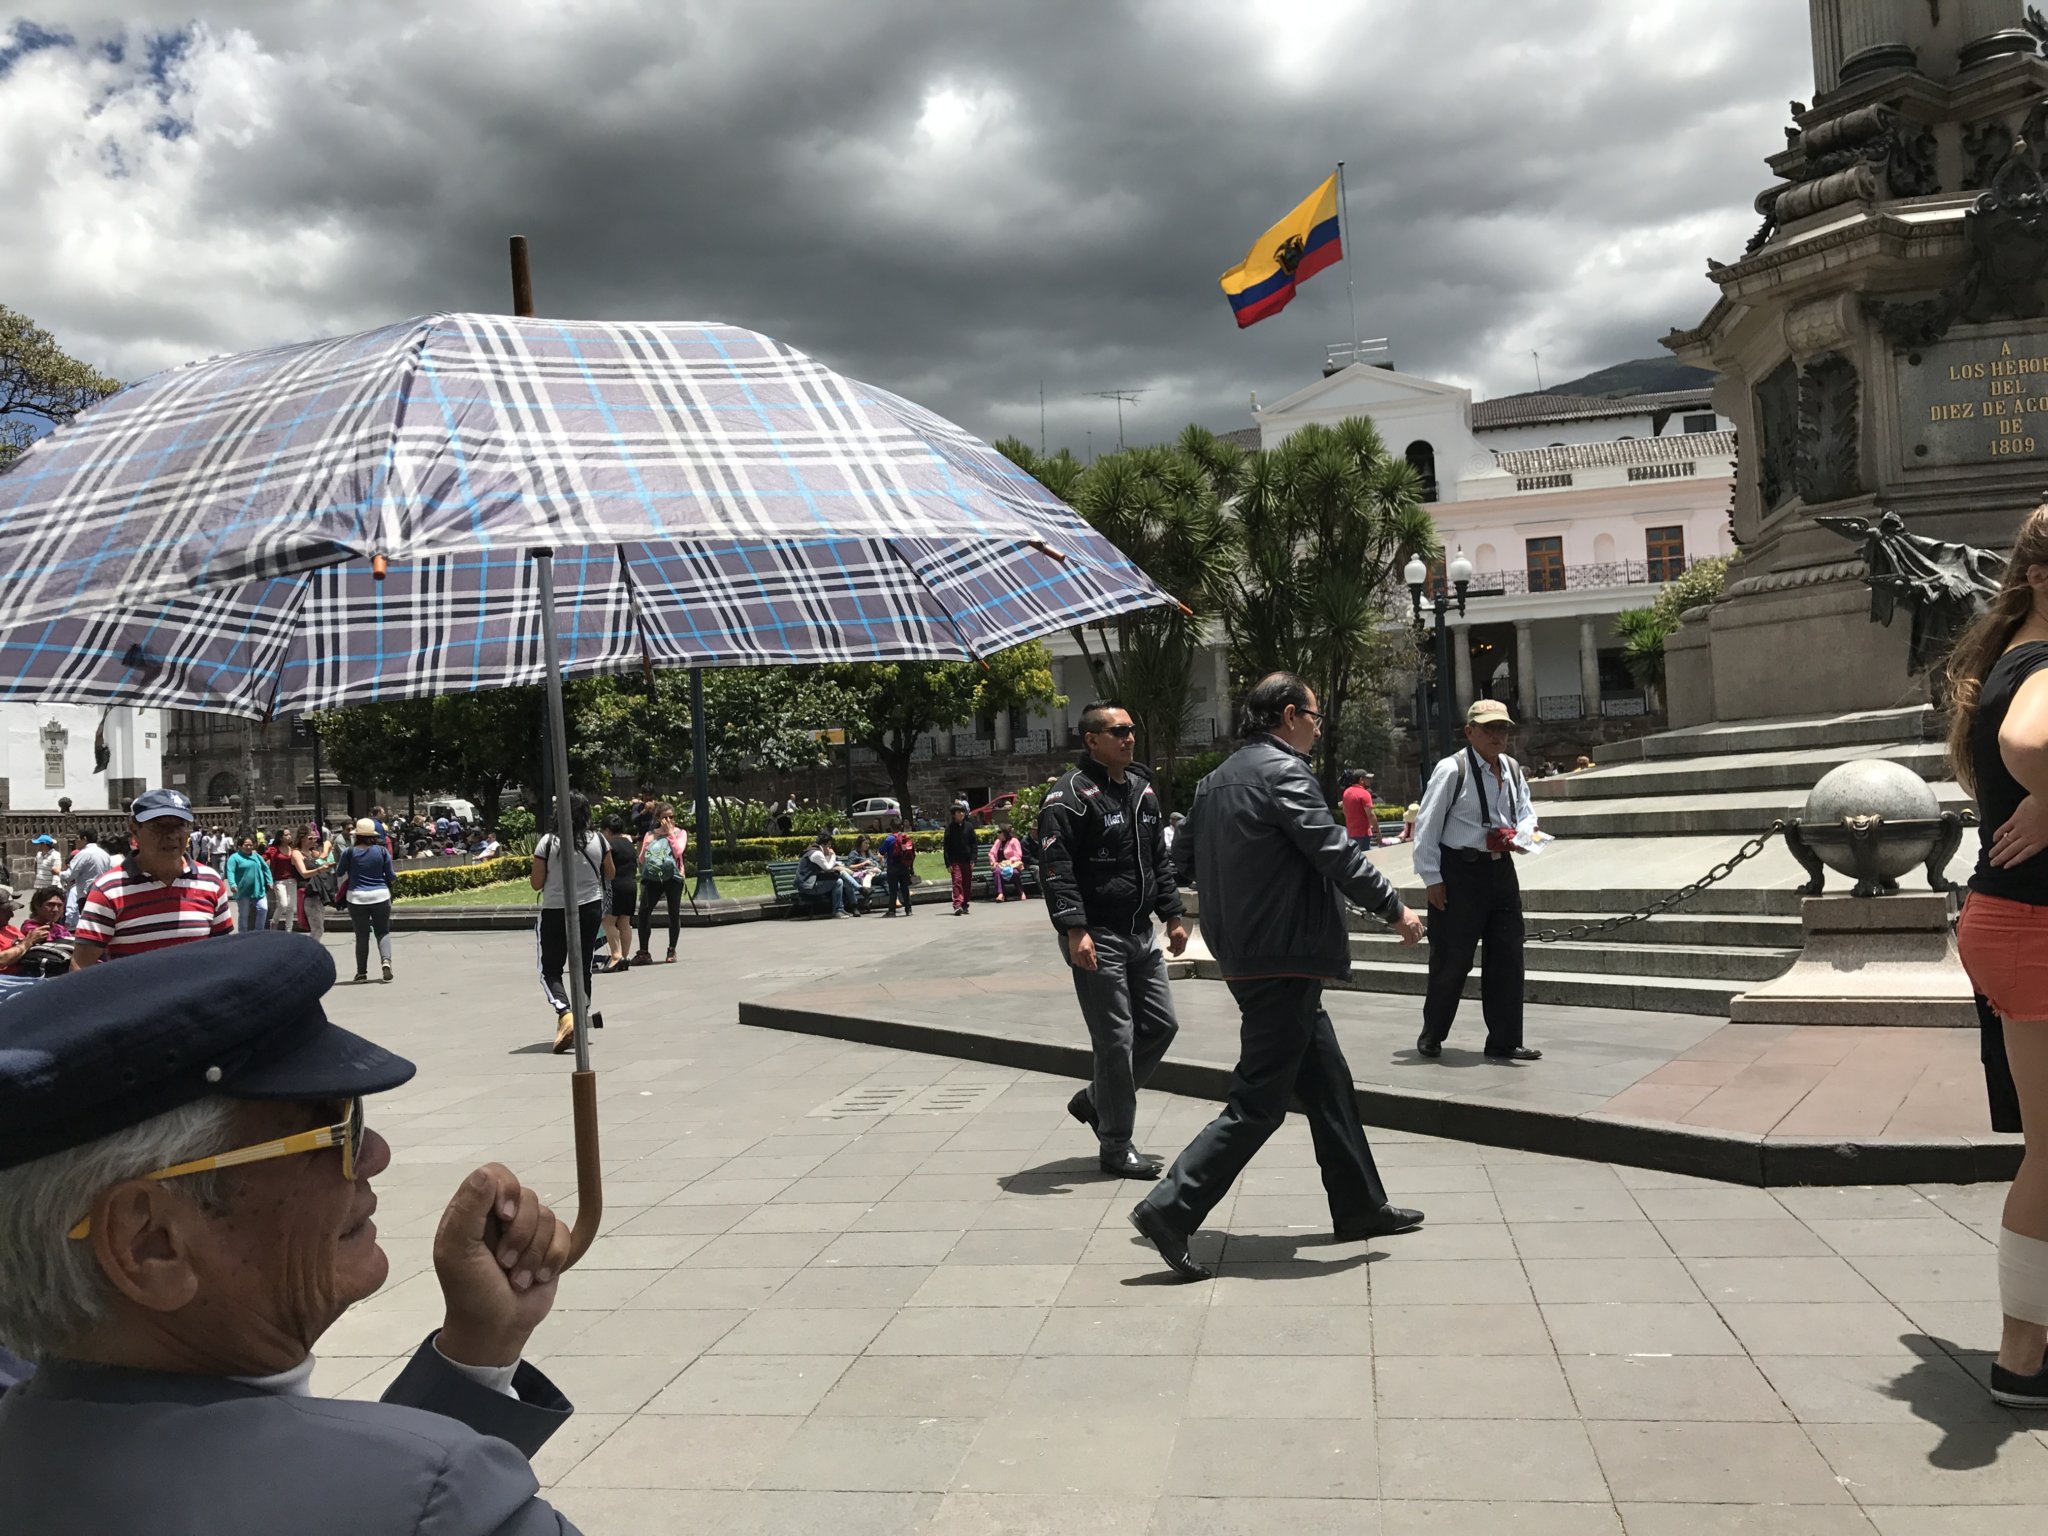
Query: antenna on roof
[1539,369]
[1119,396]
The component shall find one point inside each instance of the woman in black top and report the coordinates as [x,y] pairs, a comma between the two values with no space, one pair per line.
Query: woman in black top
[1998,749]
[624,895]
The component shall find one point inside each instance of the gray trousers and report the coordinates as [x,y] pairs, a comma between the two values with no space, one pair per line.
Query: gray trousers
[1130,1024]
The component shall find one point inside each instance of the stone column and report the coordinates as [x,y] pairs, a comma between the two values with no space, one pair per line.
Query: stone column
[1990,29]
[1226,719]
[1842,29]
[1461,664]
[1525,668]
[1003,737]
[1589,668]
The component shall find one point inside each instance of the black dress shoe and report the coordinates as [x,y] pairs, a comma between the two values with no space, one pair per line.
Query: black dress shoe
[1171,1245]
[1388,1220]
[1424,1046]
[1082,1108]
[2017,1391]
[1129,1164]
[1519,1053]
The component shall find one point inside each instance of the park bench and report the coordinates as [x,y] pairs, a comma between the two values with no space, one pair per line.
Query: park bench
[782,876]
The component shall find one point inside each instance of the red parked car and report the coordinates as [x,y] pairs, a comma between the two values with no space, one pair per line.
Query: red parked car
[984,814]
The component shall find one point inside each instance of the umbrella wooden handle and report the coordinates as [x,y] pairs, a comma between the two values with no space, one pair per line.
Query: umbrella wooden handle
[589,1166]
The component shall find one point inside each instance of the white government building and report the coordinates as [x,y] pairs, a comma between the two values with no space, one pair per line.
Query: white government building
[47,754]
[1578,507]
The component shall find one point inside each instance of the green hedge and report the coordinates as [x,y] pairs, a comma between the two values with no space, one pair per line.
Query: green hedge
[460,877]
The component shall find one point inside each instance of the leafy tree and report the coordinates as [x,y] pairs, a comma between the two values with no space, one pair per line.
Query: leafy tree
[38,380]
[755,718]
[1322,525]
[890,704]
[1643,631]
[1160,507]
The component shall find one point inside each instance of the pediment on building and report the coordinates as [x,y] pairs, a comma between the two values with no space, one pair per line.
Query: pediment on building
[1364,390]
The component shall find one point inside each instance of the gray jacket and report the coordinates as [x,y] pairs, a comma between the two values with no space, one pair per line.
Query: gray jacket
[99,1451]
[1269,860]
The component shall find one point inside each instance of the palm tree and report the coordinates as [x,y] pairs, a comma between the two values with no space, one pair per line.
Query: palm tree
[1320,526]
[1160,507]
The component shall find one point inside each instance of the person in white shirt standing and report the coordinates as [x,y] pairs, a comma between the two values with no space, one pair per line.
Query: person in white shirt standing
[1476,818]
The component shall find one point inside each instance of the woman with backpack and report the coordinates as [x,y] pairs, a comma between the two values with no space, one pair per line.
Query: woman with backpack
[590,873]
[899,865]
[661,875]
[368,878]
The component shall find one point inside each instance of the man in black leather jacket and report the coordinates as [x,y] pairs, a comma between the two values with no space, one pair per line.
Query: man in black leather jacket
[1270,863]
[1103,865]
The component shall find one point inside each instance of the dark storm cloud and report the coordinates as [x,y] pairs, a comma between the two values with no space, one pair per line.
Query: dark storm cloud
[953,200]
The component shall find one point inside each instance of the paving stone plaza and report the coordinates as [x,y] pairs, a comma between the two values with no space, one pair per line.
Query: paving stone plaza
[849,1289]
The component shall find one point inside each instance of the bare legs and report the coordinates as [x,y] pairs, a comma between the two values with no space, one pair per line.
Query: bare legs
[2021,1347]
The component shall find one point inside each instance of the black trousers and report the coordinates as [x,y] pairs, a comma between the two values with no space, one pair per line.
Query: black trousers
[1482,905]
[651,891]
[554,950]
[1288,1052]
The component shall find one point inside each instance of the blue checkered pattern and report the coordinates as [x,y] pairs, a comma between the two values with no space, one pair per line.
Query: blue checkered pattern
[202,540]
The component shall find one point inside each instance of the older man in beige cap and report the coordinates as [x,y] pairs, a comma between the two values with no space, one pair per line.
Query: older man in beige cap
[1476,817]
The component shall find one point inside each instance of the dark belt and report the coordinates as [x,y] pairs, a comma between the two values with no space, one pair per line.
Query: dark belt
[1469,855]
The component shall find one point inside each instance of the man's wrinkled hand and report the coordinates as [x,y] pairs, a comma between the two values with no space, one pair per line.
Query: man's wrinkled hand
[1176,937]
[1081,949]
[1409,927]
[2024,834]
[1436,897]
[498,1254]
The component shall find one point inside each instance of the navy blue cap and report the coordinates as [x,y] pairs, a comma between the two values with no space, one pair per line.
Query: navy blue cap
[88,1054]
[155,804]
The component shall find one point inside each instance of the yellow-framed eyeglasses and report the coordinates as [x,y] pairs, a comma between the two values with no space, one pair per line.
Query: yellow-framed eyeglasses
[346,1133]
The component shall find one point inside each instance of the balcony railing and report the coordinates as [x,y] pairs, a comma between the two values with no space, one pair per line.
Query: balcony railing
[1584,578]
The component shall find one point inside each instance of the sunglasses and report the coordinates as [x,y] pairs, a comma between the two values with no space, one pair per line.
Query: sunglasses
[346,1133]
[1121,732]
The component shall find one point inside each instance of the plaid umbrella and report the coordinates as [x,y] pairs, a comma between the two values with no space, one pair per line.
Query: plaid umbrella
[769,493]
[471,501]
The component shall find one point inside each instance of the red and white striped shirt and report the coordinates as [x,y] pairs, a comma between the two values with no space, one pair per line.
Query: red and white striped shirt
[128,913]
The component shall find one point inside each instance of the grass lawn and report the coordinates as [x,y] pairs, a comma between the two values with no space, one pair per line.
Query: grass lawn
[518,893]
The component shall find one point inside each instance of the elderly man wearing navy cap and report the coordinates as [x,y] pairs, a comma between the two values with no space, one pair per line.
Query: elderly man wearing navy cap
[157,896]
[185,1207]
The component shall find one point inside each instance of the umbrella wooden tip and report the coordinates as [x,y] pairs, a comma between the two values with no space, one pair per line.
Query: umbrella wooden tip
[378,566]
[1047,550]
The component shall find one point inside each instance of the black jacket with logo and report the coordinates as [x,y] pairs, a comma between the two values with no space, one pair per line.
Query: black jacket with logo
[1269,860]
[1102,857]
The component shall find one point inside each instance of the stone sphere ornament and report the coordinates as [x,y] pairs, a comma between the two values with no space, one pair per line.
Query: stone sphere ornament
[1874,820]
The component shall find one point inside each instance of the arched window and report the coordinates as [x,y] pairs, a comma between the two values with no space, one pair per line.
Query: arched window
[1423,457]
[221,787]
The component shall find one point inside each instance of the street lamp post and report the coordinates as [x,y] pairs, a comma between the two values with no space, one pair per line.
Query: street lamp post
[1459,571]
[707,882]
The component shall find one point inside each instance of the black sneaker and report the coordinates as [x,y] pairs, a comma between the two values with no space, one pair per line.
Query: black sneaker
[2017,1391]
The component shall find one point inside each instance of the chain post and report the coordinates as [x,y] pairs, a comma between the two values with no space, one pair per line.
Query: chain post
[1662,904]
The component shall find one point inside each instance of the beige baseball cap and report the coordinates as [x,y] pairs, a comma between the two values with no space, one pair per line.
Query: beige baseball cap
[1488,712]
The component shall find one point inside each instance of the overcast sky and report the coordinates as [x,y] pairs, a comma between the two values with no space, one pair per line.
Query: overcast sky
[952,198]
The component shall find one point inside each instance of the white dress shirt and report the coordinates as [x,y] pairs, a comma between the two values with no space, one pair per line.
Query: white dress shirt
[1450,815]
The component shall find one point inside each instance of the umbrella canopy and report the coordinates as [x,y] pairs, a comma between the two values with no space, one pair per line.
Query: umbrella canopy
[755,489]
[456,623]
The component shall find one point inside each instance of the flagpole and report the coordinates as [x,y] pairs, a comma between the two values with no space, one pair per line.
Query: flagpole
[1344,219]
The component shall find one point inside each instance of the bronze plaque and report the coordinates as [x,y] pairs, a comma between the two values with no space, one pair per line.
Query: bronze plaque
[1974,400]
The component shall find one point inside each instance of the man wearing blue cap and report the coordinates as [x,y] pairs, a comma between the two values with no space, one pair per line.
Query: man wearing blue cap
[156,896]
[185,1207]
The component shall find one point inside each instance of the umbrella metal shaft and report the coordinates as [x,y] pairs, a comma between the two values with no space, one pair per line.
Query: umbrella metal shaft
[583,1086]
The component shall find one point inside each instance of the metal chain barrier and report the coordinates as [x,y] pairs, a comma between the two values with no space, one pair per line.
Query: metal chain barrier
[1718,873]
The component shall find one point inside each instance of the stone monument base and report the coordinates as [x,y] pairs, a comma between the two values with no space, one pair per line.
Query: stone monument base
[1888,960]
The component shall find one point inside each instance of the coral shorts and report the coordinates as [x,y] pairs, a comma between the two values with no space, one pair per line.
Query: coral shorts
[2005,950]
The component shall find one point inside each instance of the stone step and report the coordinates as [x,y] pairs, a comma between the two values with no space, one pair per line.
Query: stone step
[1643,994]
[1730,773]
[1743,812]
[1694,923]
[1588,896]
[1697,962]
[1794,734]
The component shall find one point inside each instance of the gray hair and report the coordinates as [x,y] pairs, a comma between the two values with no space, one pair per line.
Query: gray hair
[51,1288]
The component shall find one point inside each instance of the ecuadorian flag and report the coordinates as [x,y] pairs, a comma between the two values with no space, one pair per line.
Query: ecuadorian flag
[1285,256]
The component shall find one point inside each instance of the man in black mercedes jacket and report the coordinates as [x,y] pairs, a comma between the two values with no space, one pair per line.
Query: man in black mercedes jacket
[1104,866]
[1271,863]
